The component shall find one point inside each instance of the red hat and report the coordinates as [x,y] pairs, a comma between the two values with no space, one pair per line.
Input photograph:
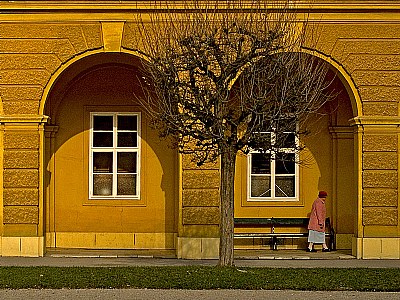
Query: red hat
[322,194]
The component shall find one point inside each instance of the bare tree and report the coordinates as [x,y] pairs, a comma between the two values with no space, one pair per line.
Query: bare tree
[221,77]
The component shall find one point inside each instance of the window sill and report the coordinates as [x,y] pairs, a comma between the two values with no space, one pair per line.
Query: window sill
[272,202]
[114,202]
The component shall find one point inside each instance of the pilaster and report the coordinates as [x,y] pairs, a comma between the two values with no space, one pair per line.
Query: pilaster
[380,186]
[22,186]
[198,235]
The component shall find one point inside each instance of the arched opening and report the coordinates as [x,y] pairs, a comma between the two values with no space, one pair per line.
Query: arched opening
[110,182]
[327,163]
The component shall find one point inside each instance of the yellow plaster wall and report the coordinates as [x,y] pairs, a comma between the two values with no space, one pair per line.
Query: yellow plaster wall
[80,222]
[368,53]
[34,47]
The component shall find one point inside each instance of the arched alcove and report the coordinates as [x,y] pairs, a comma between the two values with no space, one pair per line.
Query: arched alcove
[327,163]
[139,208]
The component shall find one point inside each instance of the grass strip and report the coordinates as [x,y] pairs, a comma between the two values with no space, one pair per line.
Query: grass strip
[195,278]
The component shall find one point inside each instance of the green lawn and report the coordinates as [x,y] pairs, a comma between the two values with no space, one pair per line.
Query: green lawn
[200,278]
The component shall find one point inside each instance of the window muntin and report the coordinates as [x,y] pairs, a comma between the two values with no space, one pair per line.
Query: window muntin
[273,175]
[114,155]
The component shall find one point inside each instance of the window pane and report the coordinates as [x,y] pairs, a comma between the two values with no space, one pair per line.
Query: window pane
[126,184]
[127,139]
[260,186]
[103,123]
[287,125]
[102,139]
[127,123]
[285,163]
[284,186]
[289,140]
[102,162]
[102,184]
[126,162]
[263,140]
[260,163]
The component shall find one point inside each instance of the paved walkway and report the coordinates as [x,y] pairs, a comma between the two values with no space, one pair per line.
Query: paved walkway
[264,258]
[271,259]
[189,294]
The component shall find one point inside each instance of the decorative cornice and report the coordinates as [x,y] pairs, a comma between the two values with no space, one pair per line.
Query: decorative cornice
[24,119]
[375,121]
[341,11]
[129,5]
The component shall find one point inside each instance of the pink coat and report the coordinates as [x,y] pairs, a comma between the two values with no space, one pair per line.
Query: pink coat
[317,216]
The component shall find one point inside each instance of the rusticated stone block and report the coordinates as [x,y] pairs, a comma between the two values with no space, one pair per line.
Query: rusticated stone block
[200,215]
[380,143]
[128,38]
[19,140]
[379,197]
[93,35]
[14,159]
[188,162]
[30,61]
[75,36]
[380,161]
[380,109]
[21,178]
[20,92]
[380,216]
[20,196]
[380,93]
[199,179]
[61,47]
[21,215]
[380,179]
[200,197]
[26,107]
[35,77]
[361,61]
[365,77]
[347,48]
[360,38]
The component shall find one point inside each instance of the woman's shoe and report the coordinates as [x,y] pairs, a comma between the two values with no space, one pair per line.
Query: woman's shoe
[326,250]
[311,250]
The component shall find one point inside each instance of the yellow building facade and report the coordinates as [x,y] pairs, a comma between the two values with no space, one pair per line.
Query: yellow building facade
[82,167]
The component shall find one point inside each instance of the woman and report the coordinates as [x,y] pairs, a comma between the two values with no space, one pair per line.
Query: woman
[316,225]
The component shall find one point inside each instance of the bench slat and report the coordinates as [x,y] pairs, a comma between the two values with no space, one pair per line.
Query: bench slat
[267,235]
[275,222]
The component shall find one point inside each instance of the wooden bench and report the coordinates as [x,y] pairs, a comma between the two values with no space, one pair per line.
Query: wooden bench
[272,223]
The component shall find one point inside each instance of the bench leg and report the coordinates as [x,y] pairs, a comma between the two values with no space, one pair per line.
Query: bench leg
[274,242]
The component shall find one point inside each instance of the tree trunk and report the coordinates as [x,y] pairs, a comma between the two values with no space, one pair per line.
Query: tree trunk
[228,160]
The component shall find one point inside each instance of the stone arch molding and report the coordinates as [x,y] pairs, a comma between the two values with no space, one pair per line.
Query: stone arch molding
[75,61]
[343,75]
[346,80]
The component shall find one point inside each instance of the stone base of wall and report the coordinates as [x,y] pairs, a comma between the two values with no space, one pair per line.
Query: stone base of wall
[96,240]
[22,246]
[197,248]
[376,248]
[385,248]
[343,241]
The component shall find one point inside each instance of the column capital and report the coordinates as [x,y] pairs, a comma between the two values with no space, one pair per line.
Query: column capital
[23,119]
[375,121]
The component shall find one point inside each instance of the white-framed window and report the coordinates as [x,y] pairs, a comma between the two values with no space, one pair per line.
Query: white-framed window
[114,159]
[274,175]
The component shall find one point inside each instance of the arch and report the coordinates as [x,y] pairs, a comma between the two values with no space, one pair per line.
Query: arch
[345,78]
[342,74]
[69,67]
[102,83]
